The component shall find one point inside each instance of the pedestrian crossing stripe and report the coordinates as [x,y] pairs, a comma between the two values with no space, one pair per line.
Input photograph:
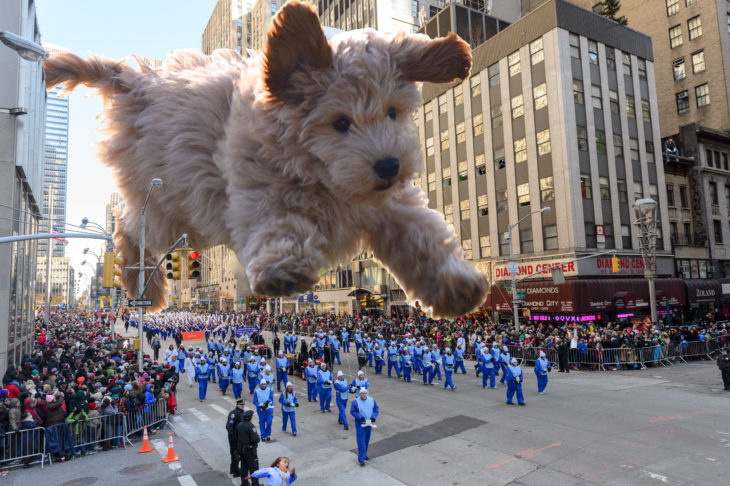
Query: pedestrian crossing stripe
[218,409]
[201,416]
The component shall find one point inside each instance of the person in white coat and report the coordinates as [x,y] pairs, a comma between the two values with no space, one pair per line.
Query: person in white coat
[190,371]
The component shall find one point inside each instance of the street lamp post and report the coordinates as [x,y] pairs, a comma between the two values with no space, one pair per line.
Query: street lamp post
[27,49]
[513,265]
[155,184]
[645,210]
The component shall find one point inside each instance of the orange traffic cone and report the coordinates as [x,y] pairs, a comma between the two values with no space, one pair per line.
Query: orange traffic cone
[145,443]
[171,457]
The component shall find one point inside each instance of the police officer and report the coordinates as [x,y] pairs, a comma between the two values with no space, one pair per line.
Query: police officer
[234,418]
[248,441]
[723,362]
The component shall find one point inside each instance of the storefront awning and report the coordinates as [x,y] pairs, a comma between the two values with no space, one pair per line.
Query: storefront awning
[703,290]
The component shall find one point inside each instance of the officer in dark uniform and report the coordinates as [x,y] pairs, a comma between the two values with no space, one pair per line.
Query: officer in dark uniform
[234,418]
[248,440]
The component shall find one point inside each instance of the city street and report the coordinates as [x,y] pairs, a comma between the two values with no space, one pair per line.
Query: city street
[659,426]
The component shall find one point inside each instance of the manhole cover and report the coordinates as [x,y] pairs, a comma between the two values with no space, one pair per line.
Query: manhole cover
[139,468]
[80,481]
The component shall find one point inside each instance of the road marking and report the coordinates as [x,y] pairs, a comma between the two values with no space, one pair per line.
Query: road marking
[201,416]
[162,450]
[527,454]
[218,409]
[187,480]
[657,476]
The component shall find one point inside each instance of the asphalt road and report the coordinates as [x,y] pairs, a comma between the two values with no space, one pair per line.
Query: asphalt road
[658,426]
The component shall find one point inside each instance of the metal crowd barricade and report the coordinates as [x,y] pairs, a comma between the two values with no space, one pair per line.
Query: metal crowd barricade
[104,430]
[155,415]
[23,445]
[587,357]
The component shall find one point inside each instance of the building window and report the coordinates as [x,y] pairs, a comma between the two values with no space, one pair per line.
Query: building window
[698,62]
[702,93]
[618,146]
[429,146]
[604,188]
[460,133]
[630,107]
[476,85]
[638,191]
[504,243]
[540,94]
[464,208]
[537,54]
[623,193]
[429,113]
[493,72]
[499,158]
[496,116]
[550,237]
[724,161]
[446,176]
[520,150]
[514,63]
[672,7]
[649,150]
[688,233]
[547,189]
[523,194]
[626,236]
[459,95]
[596,97]
[645,112]
[502,200]
[670,195]
[654,192]
[601,142]
[695,27]
[518,108]
[678,67]
[574,46]
[445,140]
[613,101]
[634,148]
[443,106]
[611,58]
[682,102]
[431,182]
[449,213]
[713,194]
[480,164]
[675,36]
[717,229]
[590,229]
[727,196]
[478,124]
[690,2]
[526,241]
[627,63]
[593,52]
[683,197]
[578,91]
[728,22]
[585,186]
[582,137]
[485,247]
[673,232]
[483,205]
[642,68]
[708,153]
[543,142]
[466,246]
[463,171]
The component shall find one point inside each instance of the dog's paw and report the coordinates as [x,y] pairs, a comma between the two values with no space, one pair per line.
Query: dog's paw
[459,288]
[282,282]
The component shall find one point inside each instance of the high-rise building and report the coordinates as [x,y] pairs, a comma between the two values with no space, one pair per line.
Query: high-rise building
[114,205]
[227,27]
[560,111]
[62,288]
[22,121]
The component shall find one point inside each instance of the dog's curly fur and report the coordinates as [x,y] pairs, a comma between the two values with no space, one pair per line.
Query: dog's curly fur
[250,157]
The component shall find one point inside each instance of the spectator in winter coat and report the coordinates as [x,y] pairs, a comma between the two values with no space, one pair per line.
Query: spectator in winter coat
[54,413]
[14,416]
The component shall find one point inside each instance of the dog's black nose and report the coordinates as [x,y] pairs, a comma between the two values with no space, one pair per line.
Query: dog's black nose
[387,168]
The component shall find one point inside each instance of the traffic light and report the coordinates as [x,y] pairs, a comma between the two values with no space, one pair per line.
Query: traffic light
[111,270]
[615,265]
[193,264]
[173,265]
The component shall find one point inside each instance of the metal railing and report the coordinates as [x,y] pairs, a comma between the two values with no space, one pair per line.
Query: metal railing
[23,446]
[153,415]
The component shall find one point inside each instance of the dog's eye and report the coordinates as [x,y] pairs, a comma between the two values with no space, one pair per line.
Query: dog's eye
[342,125]
[391,113]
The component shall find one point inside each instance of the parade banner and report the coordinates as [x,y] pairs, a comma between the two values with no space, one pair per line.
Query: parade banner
[240,331]
[193,335]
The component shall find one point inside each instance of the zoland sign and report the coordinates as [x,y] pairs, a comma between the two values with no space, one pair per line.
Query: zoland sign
[590,267]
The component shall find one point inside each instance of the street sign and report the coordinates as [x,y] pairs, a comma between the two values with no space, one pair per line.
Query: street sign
[513,267]
[521,295]
[139,303]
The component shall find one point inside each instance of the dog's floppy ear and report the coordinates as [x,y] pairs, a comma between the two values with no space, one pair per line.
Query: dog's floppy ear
[295,41]
[440,60]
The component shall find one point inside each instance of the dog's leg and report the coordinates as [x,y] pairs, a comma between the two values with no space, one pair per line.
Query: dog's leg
[129,250]
[284,256]
[422,252]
